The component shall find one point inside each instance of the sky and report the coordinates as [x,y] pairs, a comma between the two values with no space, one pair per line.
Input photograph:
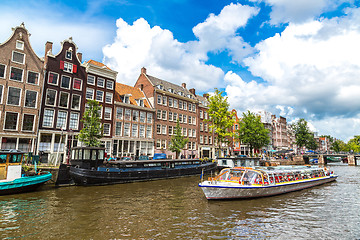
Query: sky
[295,59]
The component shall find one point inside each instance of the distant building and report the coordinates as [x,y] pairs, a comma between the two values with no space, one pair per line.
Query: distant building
[21,81]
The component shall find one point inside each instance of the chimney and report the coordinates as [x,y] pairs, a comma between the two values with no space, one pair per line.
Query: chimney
[192,91]
[79,55]
[143,70]
[48,47]
[183,85]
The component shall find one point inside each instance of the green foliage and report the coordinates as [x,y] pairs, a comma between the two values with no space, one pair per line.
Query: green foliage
[221,120]
[92,130]
[252,131]
[303,135]
[353,144]
[178,142]
[338,146]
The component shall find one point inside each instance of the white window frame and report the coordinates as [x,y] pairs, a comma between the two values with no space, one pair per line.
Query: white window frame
[66,54]
[68,67]
[36,99]
[106,110]
[22,126]
[91,89]
[22,45]
[102,97]
[77,124]
[81,85]
[27,78]
[53,118]
[72,99]
[68,98]
[17,121]
[112,84]
[100,79]
[4,70]
[57,119]
[87,80]
[2,94]
[62,81]
[107,124]
[122,113]
[58,78]
[106,97]
[7,98]
[12,57]
[22,75]
[56,93]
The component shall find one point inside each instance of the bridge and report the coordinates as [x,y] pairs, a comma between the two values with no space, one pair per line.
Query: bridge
[352,160]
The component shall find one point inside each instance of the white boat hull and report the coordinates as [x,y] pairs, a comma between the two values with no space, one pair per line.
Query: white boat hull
[227,190]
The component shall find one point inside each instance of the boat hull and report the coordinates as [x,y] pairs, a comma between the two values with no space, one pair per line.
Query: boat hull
[217,190]
[103,176]
[24,184]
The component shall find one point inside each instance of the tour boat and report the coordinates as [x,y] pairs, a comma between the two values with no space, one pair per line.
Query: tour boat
[12,180]
[253,182]
[89,167]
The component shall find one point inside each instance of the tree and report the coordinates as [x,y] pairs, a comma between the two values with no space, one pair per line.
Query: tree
[302,132]
[354,144]
[178,142]
[92,130]
[338,146]
[221,120]
[252,131]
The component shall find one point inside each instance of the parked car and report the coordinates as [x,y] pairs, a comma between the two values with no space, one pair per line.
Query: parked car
[143,157]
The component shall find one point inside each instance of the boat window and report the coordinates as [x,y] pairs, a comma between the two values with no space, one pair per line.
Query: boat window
[224,174]
[86,154]
[15,158]
[101,154]
[93,154]
[3,158]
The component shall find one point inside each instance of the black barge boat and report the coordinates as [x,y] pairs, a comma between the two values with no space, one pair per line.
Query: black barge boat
[88,167]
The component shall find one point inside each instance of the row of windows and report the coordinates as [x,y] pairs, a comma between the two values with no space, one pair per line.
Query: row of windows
[17,74]
[205,139]
[14,97]
[161,144]
[134,115]
[63,100]
[99,95]
[161,129]
[161,87]
[61,121]
[204,127]
[53,79]
[100,82]
[133,130]
[162,115]
[175,103]
[203,114]
[11,122]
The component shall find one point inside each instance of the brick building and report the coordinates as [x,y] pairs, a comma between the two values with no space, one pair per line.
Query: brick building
[100,86]
[61,108]
[171,102]
[21,81]
[133,123]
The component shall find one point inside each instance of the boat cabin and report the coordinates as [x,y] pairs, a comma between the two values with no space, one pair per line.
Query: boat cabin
[87,157]
[10,164]
[270,175]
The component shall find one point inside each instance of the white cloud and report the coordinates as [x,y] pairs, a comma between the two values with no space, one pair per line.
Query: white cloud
[308,68]
[284,11]
[139,45]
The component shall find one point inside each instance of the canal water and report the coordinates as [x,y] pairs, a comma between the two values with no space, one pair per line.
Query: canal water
[177,209]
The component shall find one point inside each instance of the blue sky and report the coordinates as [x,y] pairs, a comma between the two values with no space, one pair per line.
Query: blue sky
[297,59]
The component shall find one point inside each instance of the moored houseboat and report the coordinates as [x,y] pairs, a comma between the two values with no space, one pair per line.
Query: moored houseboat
[89,167]
[253,182]
[12,180]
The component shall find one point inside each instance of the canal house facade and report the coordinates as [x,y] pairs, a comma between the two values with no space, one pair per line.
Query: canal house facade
[62,102]
[171,103]
[21,81]
[133,123]
[100,86]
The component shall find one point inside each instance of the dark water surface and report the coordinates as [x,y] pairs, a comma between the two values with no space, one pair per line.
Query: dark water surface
[177,209]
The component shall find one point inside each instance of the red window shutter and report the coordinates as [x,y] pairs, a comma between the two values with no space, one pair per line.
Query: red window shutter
[74,68]
[62,65]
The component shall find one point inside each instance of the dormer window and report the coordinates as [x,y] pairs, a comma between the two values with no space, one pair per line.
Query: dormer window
[181,93]
[171,90]
[161,87]
[140,102]
[125,98]
[68,54]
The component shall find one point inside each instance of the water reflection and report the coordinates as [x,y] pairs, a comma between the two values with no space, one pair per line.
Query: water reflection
[177,209]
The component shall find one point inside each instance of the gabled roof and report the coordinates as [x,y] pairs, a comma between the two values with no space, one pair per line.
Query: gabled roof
[134,93]
[99,64]
[168,85]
